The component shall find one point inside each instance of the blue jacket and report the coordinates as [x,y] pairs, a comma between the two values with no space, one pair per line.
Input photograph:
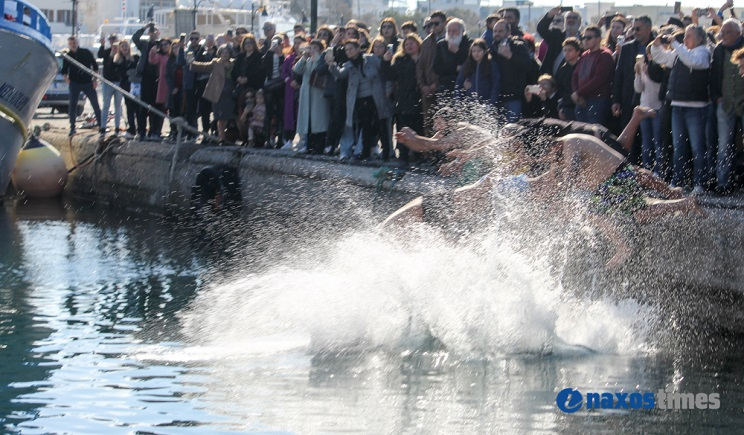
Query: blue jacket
[482,87]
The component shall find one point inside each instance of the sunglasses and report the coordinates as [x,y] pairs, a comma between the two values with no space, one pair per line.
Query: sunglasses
[587,37]
[387,26]
[435,23]
[194,38]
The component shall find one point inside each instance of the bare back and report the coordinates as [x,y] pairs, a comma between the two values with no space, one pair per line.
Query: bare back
[589,160]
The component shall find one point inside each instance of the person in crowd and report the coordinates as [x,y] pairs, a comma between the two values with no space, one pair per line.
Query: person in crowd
[291,87]
[592,79]
[488,33]
[273,90]
[389,31]
[112,74]
[188,52]
[408,28]
[426,77]
[219,89]
[314,110]
[518,69]
[337,133]
[149,84]
[624,97]
[554,38]
[299,30]
[427,26]
[126,65]
[564,79]
[617,29]
[325,34]
[80,81]
[247,75]
[364,40]
[159,56]
[269,30]
[542,99]
[366,103]
[401,68]
[479,77]
[451,54]
[512,16]
[557,23]
[174,77]
[689,95]
[727,92]
[648,78]
[253,117]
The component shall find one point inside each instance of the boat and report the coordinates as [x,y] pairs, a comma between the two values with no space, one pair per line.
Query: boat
[27,70]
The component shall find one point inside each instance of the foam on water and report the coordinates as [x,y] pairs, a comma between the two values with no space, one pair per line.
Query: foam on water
[478,301]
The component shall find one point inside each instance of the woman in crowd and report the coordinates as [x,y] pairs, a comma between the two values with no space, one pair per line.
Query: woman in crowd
[273,87]
[617,28]
[159,56]
[648,77]
[314,109]
[219,89]
[389,32]
[126,64]
[290,91]
[247,75]
[378,48]
[401,68]
[479,77]
[174,77]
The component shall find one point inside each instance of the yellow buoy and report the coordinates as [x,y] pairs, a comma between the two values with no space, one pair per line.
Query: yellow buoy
[40,171]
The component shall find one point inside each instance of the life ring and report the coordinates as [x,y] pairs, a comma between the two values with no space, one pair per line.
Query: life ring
[216,190]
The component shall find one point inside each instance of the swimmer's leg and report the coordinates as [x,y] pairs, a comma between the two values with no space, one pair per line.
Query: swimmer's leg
[627,136]
[410,213]
[622,250]
[648,181]
[657,208]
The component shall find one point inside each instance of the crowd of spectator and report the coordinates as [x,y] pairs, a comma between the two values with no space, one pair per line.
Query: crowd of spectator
[342,91]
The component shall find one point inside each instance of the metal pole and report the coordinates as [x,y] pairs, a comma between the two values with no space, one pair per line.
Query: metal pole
[74,17]
[313,16]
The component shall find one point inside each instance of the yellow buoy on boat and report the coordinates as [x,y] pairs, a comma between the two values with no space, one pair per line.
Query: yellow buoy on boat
[40,171]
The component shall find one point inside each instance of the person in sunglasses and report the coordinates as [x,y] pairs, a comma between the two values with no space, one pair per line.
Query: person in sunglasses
[592,79]
[554,37]
[426,79]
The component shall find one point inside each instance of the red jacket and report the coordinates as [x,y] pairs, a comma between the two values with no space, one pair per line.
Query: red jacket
[592,77]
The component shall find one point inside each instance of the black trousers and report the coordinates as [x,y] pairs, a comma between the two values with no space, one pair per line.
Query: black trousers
[274,113]
[337,122]
[87,89]
[149,95]
[203,107]
[365,114]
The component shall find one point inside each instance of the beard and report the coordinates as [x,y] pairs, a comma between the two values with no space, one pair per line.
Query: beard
[454,40]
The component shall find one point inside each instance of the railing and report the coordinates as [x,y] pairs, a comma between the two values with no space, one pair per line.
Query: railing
[26,15]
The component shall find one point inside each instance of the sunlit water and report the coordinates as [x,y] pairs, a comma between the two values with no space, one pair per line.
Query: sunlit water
[119,323]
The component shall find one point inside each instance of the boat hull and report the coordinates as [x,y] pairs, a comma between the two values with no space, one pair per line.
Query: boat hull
[27,68]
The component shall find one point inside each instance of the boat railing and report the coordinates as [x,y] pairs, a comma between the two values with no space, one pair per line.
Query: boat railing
[25,15]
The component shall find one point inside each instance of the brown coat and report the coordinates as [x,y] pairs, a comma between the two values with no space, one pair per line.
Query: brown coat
[425,75]
[219,72]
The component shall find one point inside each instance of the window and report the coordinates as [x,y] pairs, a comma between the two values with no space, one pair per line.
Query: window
[64,17]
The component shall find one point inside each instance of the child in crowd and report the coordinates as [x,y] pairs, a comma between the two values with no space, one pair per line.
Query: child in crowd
[253,118]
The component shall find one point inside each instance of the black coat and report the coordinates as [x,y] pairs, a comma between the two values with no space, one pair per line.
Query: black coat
[250,68]
[446,62]
[516,72]
[75,74]
[110,73]
[721,54]
[554,38]
[623,91]
[407,94]
[148,70]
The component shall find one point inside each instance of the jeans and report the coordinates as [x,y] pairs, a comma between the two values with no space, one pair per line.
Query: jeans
[512,110]
[653,156]
[726,146]
[688,126]
[109,92]
[87,89]
[595,111]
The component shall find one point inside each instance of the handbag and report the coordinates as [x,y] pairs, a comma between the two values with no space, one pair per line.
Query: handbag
[272,85]
[317,80]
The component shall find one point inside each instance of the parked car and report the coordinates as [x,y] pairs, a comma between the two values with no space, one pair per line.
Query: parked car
[58,95]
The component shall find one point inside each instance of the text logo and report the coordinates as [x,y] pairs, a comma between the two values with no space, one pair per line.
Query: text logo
[570,400]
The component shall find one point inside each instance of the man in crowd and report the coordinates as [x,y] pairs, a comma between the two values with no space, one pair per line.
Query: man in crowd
[451,53]
[269,30]
[111,74]
[564,79]
[511,16]
[512,57]
[149,80]
[554,38]
[80,81]
[426,77]
[592,79]
[186,56]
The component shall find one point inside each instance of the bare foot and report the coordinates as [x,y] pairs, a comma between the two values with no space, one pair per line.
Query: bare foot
[694,207]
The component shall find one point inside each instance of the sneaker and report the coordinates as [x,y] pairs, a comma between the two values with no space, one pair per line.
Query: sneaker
[303,150]
[287,145]
[71,133]
[698,190]
[141,137]
[128,136]
[154,138]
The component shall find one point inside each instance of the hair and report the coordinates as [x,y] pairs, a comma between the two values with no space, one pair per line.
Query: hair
[597,32]
[515,11]
[118,57]
[353,29]
[401,47]
[549,78]
[250,37]
[492,19]
[506,23]
[470,64]
[609,40]
[410,25]
[439,14]
[164,41]
[732,22]
[645,19]
[352,41]
[457,22]
[71,38]
[699,32]
[573,42]
[378,39]
[326,29]
[243,30]
[320,43]
[390,20]
[737,55]
[223,47]
[364,33]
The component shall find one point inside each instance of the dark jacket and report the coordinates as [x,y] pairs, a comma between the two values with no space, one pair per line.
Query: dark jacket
[486,87]
[516,72]
[554,38]
[623,91]
[267,65]
[446,62]
[184,53]
[687,84]
[110,73]
[407,94]
[721,54]
[564,86]
[75,74]
[149,71]
[123,68]
[250,68]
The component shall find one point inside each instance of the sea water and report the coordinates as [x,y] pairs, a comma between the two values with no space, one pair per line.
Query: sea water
[121,323]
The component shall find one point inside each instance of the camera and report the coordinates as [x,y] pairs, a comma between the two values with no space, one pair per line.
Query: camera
[666,39]
[390,48]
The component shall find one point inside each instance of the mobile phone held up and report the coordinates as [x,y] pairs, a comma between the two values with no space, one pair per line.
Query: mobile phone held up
[566,9]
